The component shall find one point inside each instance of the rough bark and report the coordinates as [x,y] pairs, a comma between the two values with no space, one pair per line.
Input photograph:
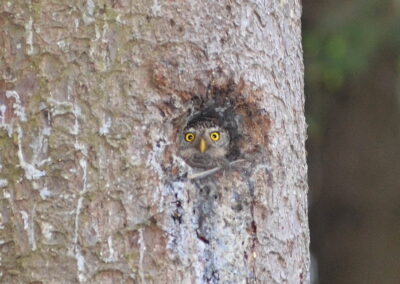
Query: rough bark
[92,98]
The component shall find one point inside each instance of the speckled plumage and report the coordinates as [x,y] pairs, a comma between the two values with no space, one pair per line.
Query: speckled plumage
[215,152]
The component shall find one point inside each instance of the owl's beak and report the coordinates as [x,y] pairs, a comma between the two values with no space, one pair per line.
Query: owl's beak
[202,145]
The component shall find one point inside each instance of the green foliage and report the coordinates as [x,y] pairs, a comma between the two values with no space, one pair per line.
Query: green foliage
[342,43]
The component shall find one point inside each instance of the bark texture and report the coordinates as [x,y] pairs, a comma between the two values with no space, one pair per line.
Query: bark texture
[92,98]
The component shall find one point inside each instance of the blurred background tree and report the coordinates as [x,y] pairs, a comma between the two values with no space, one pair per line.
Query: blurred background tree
[352,75]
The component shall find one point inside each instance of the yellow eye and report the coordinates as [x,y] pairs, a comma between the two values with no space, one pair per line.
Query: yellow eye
[189,137]
[214,136]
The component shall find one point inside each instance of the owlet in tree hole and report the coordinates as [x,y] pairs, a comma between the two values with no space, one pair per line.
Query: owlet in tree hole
[204,144]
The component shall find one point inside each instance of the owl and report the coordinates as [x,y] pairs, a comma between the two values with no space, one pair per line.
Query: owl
[204,144]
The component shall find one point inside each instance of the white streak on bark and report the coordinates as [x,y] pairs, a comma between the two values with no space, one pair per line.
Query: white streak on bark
[47,230]
[3,109]
[88,14]
[45,161]
[104,38]
[25,217]
[244,21]
[3,183]
[105,127]
[44,193]
[39,146]
[1,243]
[97,33]
[3,124]
[31,172]
[83,164]
[80,260]
[29,228]
[69,90]
[78,252]
[90,7]
[6,195]
[19,110]
[142,252]
[77,113]
[60,108]
[63,45]
[154,155]
[29,35]
[156,8]
[76,21]
[119,20]
[112,256]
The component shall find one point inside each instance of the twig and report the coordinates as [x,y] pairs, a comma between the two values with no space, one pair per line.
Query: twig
[211,171]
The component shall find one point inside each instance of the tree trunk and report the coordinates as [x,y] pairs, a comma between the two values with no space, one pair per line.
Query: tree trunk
[355,208]
[93,100]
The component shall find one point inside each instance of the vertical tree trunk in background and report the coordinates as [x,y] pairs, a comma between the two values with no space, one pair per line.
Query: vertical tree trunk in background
[92,187]
[355,210]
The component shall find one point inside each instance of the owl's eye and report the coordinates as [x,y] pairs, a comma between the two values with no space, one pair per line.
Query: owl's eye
[189,137]
[214,136]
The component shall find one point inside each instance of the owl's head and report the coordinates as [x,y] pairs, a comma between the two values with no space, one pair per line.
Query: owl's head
[204,143]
